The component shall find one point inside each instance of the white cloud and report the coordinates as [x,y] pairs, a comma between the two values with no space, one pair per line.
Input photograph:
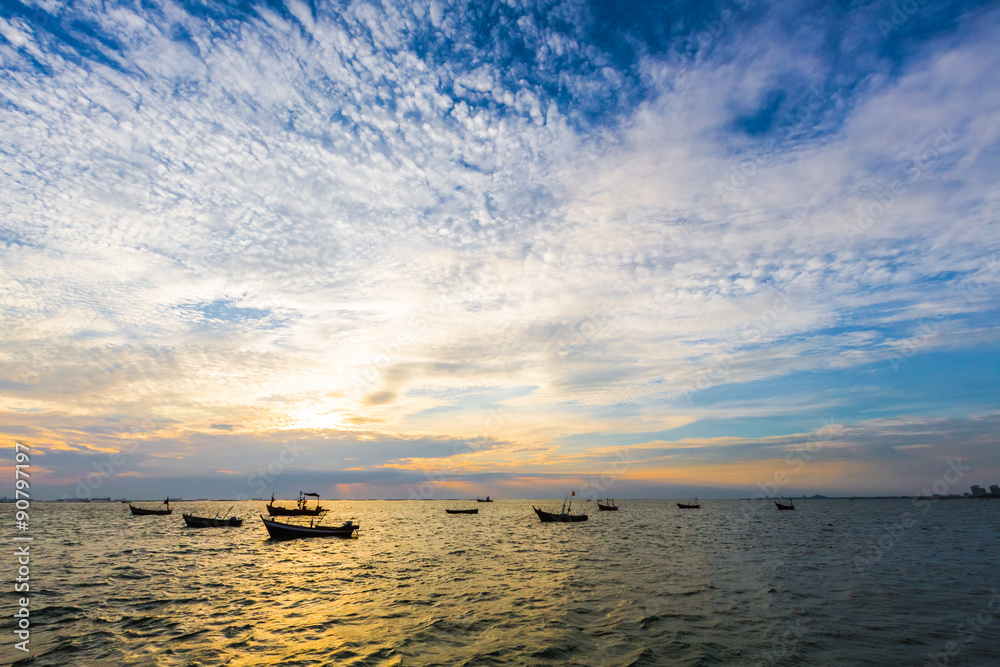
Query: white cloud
[420,224]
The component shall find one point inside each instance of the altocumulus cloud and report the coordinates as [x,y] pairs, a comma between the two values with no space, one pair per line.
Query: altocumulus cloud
[531,222]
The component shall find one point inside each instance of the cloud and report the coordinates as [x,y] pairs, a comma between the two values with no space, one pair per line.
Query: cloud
[399,220]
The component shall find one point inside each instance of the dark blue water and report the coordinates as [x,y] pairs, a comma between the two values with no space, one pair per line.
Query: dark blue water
[650,584]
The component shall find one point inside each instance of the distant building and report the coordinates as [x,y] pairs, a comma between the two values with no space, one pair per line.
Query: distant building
[978,491]
[995,490]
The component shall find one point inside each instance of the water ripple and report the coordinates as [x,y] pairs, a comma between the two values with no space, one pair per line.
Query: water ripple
[648,585]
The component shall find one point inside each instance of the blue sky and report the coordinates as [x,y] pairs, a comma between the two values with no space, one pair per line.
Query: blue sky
[439,250]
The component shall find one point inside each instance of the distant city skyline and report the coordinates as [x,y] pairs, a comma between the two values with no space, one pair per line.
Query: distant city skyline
[373,251]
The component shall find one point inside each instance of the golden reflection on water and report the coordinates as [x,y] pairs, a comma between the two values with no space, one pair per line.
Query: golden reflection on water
[649,584]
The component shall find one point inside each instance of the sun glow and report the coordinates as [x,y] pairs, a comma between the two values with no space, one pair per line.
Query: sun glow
[312,420]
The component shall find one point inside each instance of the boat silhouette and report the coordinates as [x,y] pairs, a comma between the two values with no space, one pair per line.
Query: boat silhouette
[139,511]
[301,508]
[282,530]
[690,506]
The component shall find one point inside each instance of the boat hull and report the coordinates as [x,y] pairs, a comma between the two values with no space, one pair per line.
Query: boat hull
[294,511]
[211,522]
[784,507]
[687,506]
[278,530]
[547,517]
[138,511]
[607,508]
[475,511]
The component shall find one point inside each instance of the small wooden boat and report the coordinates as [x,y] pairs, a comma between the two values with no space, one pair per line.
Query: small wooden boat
[484,500]
[690,506]
[789,506]
[565,515]
[280,530]
[139,511]
[545,517]
[608,505]
[300,509]
[475,511]
[211,522]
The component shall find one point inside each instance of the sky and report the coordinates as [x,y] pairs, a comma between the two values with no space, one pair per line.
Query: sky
[437,250]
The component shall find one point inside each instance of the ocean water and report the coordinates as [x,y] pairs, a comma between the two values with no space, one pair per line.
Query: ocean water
[864,582]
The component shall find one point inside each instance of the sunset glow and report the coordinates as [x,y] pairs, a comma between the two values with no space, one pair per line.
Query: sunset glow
[396,251]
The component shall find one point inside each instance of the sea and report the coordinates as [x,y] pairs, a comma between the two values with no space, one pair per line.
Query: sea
[834,582]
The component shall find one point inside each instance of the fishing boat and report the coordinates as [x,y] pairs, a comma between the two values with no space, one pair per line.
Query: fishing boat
[690,506]
[484,500]
[560,517]
[607,506]
[565,515]
[301,508]
[789,506]
[139,511]
[281,530]
[211,522]
[475,511]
